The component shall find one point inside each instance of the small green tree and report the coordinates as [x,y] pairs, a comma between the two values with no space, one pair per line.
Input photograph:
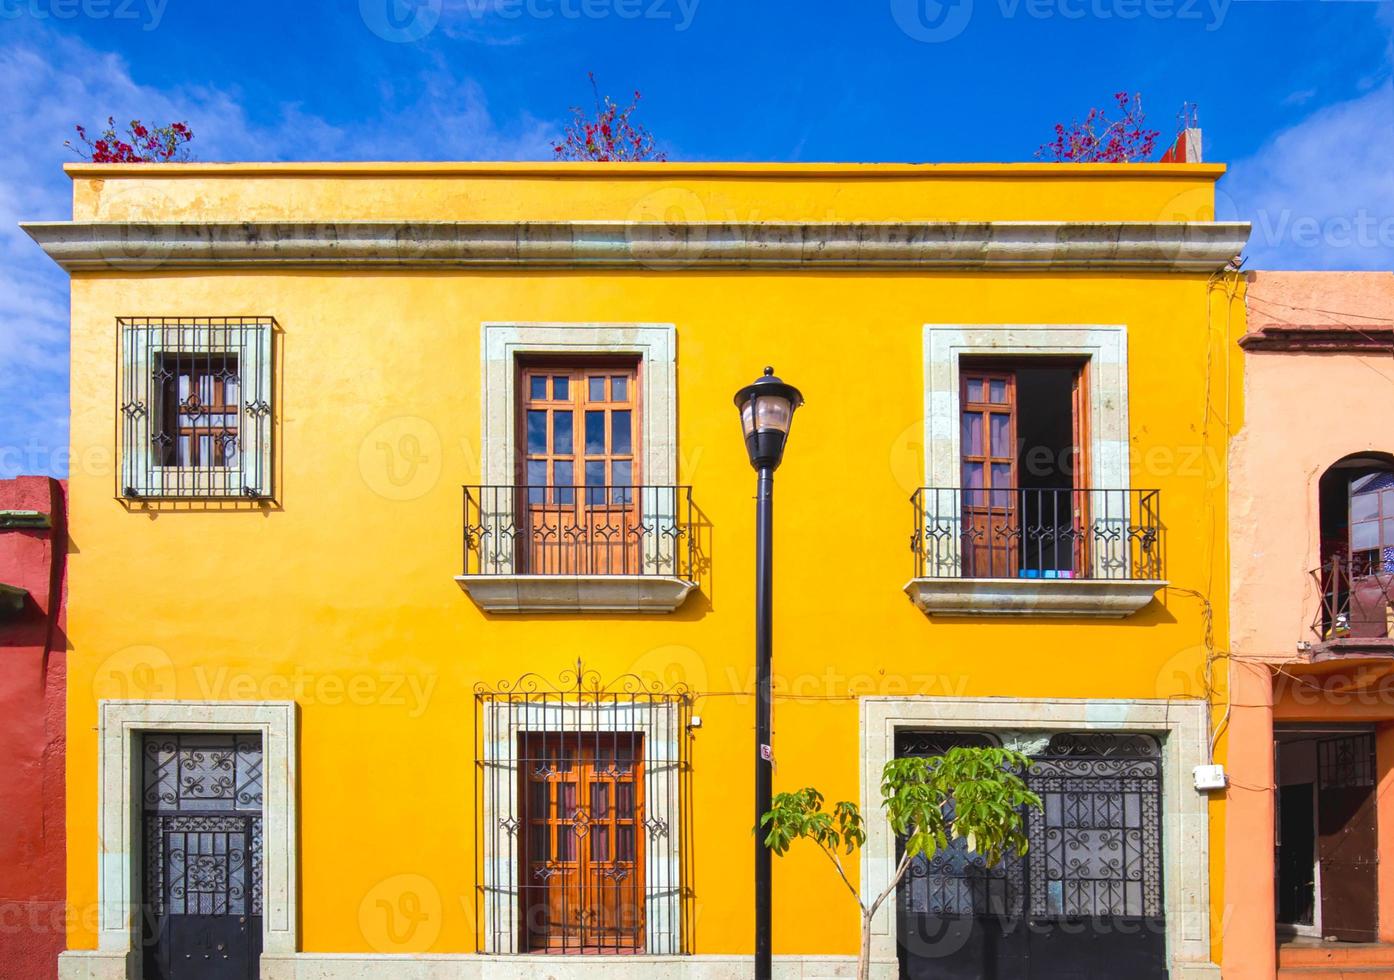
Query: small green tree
[977,795]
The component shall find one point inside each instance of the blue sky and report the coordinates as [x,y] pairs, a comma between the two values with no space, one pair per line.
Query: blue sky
[1296,95]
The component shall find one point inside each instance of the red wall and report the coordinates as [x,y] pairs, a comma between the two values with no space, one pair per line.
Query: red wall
[33,658]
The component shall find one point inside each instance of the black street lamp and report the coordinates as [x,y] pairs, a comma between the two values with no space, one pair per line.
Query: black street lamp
[767,409]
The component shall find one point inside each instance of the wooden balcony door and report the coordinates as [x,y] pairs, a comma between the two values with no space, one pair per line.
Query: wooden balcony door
[582,869]
[580,503]
[991,524]
[1023,446]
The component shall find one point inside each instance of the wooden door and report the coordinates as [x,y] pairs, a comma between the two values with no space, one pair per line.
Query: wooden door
[991,508]
[1348,838]
[583,861]
[580,498]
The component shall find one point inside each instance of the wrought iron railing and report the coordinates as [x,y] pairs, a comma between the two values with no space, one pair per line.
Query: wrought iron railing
[1023,532]
[580,530]
[1357,598]
[582,796]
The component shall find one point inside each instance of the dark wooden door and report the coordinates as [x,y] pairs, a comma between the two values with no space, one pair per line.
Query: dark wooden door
[1348,838]
[579,434]
[583,860]
[991,519]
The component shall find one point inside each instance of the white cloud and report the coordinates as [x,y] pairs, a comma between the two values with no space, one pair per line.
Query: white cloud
[52,83]
[1320,194]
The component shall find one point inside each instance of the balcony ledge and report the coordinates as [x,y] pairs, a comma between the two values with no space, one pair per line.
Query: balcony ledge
[1100,598]
[576,593]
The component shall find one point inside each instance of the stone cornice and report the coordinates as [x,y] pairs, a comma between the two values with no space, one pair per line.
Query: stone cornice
[1201,247]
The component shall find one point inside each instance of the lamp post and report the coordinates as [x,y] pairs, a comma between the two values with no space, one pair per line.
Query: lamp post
[767,409]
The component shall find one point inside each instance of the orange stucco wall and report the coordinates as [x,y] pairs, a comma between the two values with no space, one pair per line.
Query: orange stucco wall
[1303,412]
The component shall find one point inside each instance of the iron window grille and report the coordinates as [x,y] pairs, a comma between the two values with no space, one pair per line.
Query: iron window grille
[1095,845]
[195,407]
[1029,533]
[559,868]
[580,530]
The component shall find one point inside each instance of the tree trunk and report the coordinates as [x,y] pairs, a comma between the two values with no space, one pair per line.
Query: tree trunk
[864,957]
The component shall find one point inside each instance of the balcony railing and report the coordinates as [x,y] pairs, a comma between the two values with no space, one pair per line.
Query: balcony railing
[1028,533]
[609,530]
[1357,599]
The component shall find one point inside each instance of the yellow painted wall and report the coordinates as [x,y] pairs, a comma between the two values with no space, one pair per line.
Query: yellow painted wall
[348,584]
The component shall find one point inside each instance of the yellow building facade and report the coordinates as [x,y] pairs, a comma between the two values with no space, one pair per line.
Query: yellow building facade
[342,479]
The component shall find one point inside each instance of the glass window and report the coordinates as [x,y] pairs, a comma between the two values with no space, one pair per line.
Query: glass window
[537,389]
[620,442]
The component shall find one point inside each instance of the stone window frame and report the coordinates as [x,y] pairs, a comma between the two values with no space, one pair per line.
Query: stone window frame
[121,724]
[1185,810]
[655,346]
[1105,346]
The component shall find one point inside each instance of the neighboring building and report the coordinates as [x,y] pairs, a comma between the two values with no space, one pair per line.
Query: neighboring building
[1311,729]
[330,711]
[33,662]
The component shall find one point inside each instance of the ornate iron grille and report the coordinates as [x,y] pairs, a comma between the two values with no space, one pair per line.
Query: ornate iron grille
[1095,847]
[202,798]
[580,530]
[1021,532]
[581,792]
[955,882]
[194,403]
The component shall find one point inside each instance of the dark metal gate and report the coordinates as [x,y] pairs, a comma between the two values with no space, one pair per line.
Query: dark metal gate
[1085,903]
[202,801]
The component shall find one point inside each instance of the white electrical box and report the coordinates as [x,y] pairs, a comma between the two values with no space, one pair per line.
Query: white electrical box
[1210,777]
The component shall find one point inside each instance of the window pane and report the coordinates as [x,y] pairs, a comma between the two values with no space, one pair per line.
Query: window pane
[1388,502]
[561,388]
[975,390]
[595,478]
[972,476]
[1388,541]
[620,441]
[537,477]
[600,800]
[1001,474]
[619,388]
[537,432]
[997,391]
[538,387]
[561,433]
[597,389]
[1001,434]
[566,799]
[595,433]
[624,843]
[1364,536]
[566,835]
[972,434]
[624,800]
[564,478]
[622,475]
[230,390]
[538,847]
[1364,506]
[600,842]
